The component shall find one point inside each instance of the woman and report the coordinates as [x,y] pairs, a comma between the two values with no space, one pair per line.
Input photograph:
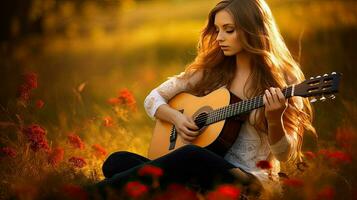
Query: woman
[240,49]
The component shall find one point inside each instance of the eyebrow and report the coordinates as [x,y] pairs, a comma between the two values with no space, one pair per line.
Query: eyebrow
[225,25]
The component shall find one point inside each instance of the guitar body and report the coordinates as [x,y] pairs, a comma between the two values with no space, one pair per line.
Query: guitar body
[217,137]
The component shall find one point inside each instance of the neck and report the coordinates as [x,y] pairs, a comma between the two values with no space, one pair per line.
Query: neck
[243,61]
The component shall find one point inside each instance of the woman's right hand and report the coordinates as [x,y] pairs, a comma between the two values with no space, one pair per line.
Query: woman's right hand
[186,127]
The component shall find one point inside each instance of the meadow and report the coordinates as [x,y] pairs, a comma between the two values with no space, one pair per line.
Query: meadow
[73,93]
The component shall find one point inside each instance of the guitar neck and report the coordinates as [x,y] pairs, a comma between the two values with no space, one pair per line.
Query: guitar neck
[242,107]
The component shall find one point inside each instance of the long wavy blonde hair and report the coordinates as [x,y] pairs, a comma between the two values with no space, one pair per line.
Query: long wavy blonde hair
[272,63]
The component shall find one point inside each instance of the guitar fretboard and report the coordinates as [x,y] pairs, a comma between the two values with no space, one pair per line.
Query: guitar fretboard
[241,107]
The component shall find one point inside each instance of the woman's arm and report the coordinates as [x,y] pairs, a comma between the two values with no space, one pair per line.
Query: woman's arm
[282,133]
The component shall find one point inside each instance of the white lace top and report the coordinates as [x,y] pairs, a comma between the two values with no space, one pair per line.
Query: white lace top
[249,148]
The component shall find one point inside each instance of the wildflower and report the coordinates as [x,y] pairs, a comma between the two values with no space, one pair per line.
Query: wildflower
[113,101]
[127,98]
[77,162]
[37,137]
[74,192]
[56,156]
[24,93]
[150,170]
[108,121]
[99,150]
[224,192]
[326,193]
[30,79]
[8,151]
[136,189]
[336,156]
[264,164]
[293,182]
[75,141]
[39,104]
[310,155]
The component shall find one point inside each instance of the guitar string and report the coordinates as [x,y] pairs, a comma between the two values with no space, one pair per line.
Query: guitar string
[228,109]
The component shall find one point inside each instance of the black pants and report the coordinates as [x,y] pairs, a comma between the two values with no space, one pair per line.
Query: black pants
[189,164]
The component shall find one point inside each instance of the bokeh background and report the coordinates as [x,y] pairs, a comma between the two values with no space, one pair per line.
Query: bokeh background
[87,53]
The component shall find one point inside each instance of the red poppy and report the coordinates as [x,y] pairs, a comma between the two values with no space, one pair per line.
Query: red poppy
[77,162]
[37,137]
[127,98]
[8,151]
[135,189]
[326,193]
[30,79]
[113,101]
[24,93]
[108,121]
[75,141]
[74,192]
[40,104]
[336,156]
[99,150]
[150,170]
[56,156]
[264,164]
[310,155]
[293,182]
[224,192]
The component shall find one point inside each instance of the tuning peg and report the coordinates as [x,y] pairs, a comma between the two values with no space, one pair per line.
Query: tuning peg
[311,78]
[333,73]
[325,74]
[332,96]
[322,98]
[313,100]
[318,76]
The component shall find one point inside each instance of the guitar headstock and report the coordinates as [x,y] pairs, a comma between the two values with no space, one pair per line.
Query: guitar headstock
[319,86]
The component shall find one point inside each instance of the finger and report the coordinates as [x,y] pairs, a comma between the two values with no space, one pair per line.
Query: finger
[273,95]
[268,97]
[189,132]
[186,137]
[280,96]
[191,125]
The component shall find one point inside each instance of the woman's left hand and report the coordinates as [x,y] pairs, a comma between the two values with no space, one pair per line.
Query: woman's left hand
[275,104]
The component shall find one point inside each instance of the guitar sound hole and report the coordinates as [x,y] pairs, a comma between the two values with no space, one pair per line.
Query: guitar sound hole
[201,119]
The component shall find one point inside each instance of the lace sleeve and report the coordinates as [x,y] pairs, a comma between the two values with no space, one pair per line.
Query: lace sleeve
[168,89]
[286,148]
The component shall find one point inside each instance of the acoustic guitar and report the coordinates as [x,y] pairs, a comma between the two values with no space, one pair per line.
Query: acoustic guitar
[220,114]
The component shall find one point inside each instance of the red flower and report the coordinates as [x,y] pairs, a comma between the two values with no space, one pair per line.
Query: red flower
[37,137]
[56,156]
[224,192]
[108,121]
[8,151]
[127,98]
[336,156]
[345,137]
[113,101]
[75,141]
[30,79]
[136,189]
[74,192]
[39,104]
[24,93]
[293,182]
[99,150]
[77,162]
[150,170]
[177,192]
[264,164]
[310,155]
[326,193]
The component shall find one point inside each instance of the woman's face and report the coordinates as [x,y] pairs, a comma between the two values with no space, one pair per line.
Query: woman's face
[227,34]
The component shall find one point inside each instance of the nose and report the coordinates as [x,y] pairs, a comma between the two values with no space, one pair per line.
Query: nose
[219,37]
